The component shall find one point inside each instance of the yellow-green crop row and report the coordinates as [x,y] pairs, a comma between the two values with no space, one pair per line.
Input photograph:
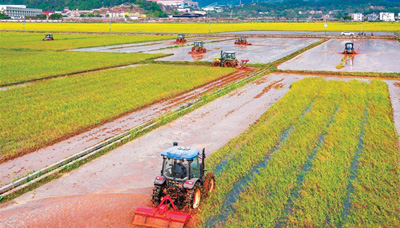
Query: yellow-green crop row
[306,179]
[38,114]
[18,66]
[375,201]
[204,27]
[69,41]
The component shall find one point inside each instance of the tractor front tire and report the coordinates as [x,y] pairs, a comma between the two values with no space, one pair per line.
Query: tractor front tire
[216,64]
[209,184]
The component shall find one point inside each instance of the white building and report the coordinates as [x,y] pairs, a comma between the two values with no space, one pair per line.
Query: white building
[357,17]
[384,16]
[19,11]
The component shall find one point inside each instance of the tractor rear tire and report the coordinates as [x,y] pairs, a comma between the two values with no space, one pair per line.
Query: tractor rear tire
[209,184]
[193,197]
[193,49]
[157,194]
[228,64]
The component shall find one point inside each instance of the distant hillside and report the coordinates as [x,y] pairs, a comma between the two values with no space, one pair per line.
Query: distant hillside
[150,7]
[306,3]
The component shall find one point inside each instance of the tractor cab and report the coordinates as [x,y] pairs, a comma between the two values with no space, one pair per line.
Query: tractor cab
[180,163]
[48,37]
[228,55]
[198,44]
[181,36]
[349,48]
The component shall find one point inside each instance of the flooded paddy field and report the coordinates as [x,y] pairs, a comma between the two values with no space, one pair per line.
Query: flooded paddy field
[262,50]
[371,56]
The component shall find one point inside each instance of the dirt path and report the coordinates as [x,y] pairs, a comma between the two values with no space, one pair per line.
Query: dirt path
[43,157]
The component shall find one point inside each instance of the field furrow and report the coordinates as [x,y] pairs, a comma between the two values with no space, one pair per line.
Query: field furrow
[375,201]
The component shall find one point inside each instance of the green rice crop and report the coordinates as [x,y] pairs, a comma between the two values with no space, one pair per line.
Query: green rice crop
[376,196]
[70,41]
[308,178]
[18,66]
[36,115]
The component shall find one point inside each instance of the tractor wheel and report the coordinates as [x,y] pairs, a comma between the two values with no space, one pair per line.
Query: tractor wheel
[203,50]
[193,197]
[228,64]
[193,49]
[157,194]
[209,184]
[216,63]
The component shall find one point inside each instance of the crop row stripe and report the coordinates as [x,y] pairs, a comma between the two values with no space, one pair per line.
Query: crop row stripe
[274,183]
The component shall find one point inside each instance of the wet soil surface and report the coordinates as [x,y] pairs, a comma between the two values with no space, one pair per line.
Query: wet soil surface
[106,191]
[300,33]
[262,50]
[43,157]
[371,56]
[146,46]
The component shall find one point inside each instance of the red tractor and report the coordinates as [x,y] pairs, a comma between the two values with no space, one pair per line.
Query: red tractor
[181,38]
[198,47]
[242,41]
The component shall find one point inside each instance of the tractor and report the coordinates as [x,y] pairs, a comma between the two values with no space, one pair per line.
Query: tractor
[183,182]
[198,47]
[180,38]
[349,48]
[227,59]
[48,37]
[242,41]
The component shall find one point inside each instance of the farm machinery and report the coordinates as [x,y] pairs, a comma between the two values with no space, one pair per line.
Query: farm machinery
[181,38]
[198,47]
[242,41]
[349,48]
[48,37]
[182,183]
[227,59]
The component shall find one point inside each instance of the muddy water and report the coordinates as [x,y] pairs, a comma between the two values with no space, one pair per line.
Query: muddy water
[51,154]
[146,46]
[262,50]
[372,56]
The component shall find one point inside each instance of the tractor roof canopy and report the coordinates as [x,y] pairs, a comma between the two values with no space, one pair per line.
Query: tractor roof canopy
[178,152]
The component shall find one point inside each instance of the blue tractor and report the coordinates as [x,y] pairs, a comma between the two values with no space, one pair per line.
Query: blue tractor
[349,48]
[183,177]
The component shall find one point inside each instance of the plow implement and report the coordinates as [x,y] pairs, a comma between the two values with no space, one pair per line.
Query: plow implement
[160,216]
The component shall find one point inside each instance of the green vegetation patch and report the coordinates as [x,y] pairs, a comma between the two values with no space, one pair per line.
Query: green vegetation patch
[70,41]
[18,66]
[326,154]
[41,113]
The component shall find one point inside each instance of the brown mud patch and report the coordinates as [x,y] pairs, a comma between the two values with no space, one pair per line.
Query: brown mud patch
[274,84]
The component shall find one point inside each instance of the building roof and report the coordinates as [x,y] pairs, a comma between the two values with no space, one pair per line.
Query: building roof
[178,152]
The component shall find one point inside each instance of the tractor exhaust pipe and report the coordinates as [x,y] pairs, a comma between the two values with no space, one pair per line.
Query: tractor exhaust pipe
[203,157]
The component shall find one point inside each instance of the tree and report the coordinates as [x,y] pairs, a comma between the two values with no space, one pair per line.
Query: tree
[55,16]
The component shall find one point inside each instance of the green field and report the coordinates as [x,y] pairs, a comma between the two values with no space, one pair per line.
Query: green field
[325,155]
[204,27]
[25,57]
[35,115]
[18,66]
[70,41]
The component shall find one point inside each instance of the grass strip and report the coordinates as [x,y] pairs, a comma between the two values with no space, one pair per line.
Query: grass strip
[274,183]
[375,201]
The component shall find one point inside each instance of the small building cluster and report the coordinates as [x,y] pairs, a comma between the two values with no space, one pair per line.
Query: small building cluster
[383,16]
[19,11]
